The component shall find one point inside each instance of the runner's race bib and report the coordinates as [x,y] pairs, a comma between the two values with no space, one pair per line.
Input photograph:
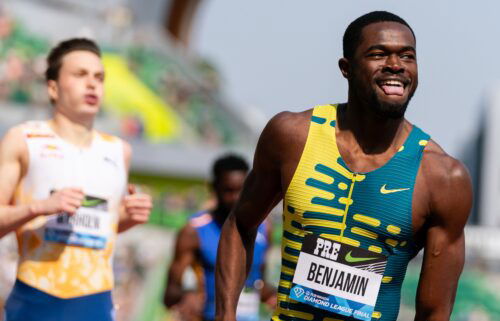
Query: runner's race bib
[248,305]
[89,227]
[338,277]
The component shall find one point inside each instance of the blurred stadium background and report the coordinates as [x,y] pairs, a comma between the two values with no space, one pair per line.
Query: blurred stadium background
[167,102]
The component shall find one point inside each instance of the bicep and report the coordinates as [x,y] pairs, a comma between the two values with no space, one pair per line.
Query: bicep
[444,245]
[184,255]
[262,189]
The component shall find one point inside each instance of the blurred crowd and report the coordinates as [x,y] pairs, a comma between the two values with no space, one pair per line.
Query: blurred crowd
[193,97]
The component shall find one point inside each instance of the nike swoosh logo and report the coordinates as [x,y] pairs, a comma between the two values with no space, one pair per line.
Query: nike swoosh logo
[91,202]
[349,258]
[384,190]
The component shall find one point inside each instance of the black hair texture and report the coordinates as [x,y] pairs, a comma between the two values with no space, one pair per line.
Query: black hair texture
[226,163]
[352,35]
[54,59]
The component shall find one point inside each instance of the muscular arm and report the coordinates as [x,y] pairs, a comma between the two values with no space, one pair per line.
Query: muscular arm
[12,150]
[450,204]
[13,165]
[186,247]
[261,192]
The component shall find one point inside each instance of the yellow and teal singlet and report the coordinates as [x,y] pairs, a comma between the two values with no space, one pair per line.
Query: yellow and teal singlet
[372,211]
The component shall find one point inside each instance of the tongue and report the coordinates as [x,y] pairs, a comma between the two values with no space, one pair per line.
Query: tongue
[393,90]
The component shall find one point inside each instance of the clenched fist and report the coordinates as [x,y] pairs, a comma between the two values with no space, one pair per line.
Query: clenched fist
[66,200]
[137,207]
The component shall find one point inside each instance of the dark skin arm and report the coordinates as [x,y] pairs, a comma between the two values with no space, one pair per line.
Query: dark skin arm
[450,201]
[186,249]
[262,191]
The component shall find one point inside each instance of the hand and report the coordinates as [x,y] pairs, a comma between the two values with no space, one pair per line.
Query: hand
[66,200]
[137,206]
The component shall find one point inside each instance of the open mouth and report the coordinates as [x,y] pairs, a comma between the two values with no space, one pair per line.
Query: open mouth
[91,99]
[391,87]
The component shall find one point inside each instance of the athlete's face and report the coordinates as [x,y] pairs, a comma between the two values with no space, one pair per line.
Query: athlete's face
[79,88]
[228,188]
[383,72]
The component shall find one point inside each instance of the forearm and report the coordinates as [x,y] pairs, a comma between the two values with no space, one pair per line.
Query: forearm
[234,257]
[173,295]
[13,217]
[124,225]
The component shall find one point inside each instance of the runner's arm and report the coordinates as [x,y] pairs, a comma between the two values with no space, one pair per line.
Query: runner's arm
[451,201]
[261,192]
[12,148]
[186,247]
[13,164]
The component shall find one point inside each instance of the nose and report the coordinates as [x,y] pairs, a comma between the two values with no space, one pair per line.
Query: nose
[393,64]
[91,82]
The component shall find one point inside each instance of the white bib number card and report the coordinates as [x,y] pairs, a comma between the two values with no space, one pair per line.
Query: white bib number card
[89,227]
[338,277]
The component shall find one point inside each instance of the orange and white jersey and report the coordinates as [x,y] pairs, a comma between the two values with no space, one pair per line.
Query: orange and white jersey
[70,256]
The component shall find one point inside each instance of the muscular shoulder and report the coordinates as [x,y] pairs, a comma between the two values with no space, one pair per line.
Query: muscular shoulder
[187,238]
[13,143]
[447,180]
[285,131]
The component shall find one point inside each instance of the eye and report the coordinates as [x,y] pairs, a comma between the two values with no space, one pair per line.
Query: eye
[376,54]
[408,56]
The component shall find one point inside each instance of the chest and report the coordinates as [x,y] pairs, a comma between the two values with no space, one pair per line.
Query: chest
[53,164]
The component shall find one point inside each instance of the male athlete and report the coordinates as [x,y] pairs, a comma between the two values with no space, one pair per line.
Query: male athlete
[364,190]
[64,188]
[196,246]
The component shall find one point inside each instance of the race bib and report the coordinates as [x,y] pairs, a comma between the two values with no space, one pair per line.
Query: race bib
[338,277]
[89,227]
[248,305]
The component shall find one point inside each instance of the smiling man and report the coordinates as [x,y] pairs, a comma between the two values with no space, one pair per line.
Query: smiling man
[363,189]
[64,188]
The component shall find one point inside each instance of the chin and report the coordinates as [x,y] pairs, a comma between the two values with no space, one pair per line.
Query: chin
[391,109]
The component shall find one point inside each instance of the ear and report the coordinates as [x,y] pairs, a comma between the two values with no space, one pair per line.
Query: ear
[345,67]
[52,90]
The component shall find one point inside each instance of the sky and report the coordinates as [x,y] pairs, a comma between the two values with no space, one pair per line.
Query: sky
[280,55]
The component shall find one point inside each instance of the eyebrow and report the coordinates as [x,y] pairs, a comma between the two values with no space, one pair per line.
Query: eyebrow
[382,47]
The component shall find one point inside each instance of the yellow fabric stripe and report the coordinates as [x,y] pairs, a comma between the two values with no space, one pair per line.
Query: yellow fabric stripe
[347,206]
[322,223]
[374,248]
[367,220]
[391,242]
[393,229]
[365,233]
[376,315]
[296,314]
[285,284]
[292,244]
[345,240]
[290,258]
[287,270]
[386,279]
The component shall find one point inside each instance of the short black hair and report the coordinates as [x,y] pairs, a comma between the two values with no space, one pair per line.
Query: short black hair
[352,34]
[226,163]
[54,60]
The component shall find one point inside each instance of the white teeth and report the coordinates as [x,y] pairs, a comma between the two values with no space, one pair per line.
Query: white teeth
[392,83]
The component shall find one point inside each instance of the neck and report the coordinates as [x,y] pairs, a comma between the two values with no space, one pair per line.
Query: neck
[78,133]
[220,215]
[359,124]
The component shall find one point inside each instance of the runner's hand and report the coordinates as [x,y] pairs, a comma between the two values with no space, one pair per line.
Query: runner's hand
[137,206]
[66,200]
